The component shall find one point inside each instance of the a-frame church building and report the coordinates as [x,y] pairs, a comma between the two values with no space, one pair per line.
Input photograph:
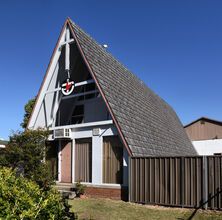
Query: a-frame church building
[99,114]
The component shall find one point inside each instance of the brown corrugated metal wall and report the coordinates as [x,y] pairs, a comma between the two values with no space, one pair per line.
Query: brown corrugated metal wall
[204,130]
[176,181]
[214,187]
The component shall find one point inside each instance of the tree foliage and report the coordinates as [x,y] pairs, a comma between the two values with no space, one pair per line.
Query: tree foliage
[24,199]
[26,152]
[28,111]
[25,179]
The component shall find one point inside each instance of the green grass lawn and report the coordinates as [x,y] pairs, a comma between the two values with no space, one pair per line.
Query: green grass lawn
[110,209]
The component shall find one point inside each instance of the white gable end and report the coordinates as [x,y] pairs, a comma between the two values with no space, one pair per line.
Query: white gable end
[41,116]
[83,104]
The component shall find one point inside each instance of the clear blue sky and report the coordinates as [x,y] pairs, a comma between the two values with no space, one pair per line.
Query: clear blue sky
[175,47]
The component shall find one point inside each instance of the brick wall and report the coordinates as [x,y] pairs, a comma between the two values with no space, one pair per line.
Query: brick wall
[112,193]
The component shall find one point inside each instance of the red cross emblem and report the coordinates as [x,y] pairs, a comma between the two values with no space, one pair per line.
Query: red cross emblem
[68,87]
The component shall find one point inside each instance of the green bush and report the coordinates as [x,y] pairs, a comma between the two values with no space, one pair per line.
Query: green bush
[80,188]
[21,198]
[26,152]
[28,111]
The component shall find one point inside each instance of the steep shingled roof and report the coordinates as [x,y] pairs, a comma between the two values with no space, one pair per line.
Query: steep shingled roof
[149,125]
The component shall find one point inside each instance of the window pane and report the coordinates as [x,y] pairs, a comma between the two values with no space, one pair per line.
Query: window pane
[78,115]
[79,110]
[77,120]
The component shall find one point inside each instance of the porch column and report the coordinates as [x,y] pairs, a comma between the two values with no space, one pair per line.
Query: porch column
[73,160]
[59,161]
[97,156]
[125,167]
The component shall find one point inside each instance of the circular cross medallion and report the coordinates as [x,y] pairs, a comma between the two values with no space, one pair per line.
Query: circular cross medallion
[68,87]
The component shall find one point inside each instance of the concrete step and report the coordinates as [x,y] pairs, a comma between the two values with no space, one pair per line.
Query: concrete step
[67,190]
[66,187]
[67,194]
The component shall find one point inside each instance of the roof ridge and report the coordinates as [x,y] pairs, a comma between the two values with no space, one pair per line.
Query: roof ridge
[203,118]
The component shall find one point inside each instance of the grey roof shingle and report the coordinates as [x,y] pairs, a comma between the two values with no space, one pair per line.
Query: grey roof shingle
[150,126]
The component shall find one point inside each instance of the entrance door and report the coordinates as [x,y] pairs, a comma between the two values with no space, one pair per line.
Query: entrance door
[83,160]
[66,161]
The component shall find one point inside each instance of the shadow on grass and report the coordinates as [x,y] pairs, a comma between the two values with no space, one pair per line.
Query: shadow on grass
[202,205]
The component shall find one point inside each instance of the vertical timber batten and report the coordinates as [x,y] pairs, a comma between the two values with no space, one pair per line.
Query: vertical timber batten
[73,160]
[129,179]
[59,161]
[67,56]
[205,182]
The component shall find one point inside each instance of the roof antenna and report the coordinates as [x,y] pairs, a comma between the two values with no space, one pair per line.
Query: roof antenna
[105,46]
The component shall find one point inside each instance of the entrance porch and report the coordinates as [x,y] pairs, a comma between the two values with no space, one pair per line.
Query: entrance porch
[95,156]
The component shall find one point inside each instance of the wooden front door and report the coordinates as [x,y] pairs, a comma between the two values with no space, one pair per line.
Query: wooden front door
[66,161]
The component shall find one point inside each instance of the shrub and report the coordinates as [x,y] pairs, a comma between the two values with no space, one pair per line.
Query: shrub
[25,152]
[80,188]
[21,198]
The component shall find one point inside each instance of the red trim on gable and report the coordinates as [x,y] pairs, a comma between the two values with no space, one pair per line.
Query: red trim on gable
[100,89]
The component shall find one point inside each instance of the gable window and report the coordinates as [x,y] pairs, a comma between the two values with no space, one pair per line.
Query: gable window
[90,90]
[78,115]
[112,160]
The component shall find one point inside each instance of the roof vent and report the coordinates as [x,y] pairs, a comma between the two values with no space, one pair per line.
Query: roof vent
[105,46]
[202,122]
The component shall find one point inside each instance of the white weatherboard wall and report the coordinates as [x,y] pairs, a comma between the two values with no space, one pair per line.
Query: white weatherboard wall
[208,147]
